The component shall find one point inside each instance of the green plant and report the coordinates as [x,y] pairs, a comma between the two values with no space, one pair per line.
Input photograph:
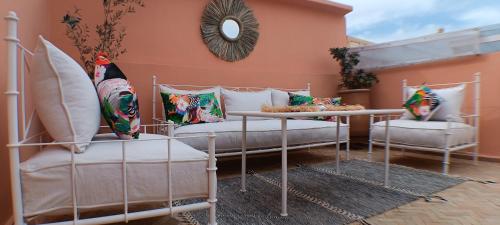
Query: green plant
[109,34]
[352,78]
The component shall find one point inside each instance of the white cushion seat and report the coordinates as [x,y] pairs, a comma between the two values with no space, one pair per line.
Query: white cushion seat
[429,134]
[46,176]
[261,134]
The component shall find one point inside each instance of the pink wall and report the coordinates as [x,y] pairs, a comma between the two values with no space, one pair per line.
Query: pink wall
[164,39]
[388,92]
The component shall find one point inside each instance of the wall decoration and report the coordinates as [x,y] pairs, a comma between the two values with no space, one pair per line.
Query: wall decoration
[229,29]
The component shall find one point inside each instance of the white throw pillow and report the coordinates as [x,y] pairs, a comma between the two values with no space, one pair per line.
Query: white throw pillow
[245,101]
[281,98]
[450,108]
[168,89]
[64,96]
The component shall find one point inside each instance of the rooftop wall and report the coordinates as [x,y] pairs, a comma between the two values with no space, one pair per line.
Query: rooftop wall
[164,39]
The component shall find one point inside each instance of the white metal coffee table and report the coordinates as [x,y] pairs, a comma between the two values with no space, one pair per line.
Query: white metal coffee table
[284,161]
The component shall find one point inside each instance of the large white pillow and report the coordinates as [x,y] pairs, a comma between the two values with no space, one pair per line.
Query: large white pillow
[450,108]
[281,98]
[64,96]
[245,101]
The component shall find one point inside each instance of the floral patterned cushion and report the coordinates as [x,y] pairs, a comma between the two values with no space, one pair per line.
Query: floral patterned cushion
[327,101]
[297,100]
[302,100]
[119,104]
[423,103]
[184,109]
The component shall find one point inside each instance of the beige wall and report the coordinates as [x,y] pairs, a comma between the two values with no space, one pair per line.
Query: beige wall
[388,92]
[164,39]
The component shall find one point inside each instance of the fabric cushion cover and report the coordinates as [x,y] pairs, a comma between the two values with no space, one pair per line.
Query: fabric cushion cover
[245,101]
[423,103]
[185,109]
[65,98]
[423,133]
[119,102]
[168,89]
[46,176]
[281,98]
[261,134]
[451,105]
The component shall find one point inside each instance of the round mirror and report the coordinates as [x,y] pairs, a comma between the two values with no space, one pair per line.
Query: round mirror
[230,29]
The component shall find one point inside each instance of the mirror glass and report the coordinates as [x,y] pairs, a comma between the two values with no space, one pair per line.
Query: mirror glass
[231,29]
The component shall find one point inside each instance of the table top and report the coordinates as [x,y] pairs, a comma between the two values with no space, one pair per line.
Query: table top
[313,114]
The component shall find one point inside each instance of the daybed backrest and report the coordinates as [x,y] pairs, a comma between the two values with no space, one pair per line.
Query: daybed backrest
[473,85]
[156,92]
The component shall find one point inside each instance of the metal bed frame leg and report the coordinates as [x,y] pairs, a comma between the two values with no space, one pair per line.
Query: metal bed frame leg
[348,137]
[212,180]
[387,155]
[475,154]
[244,154]
[446,162]
[477,100]
[284,167]
[446,158]
[370,140]
[337,148]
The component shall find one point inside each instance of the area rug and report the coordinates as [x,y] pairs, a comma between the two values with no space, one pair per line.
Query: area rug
[317,195]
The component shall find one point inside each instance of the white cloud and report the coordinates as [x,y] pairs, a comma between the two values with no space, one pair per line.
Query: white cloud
[404,32]
[367,13]
[388,20]
[481,16]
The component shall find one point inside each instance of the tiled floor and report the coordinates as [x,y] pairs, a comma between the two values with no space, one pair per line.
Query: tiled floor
[468,203]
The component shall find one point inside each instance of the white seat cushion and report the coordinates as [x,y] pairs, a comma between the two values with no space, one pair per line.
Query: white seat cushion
[423,133]
[46,176]
[261,134]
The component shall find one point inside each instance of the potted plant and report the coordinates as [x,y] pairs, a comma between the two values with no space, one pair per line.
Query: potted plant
[354,87]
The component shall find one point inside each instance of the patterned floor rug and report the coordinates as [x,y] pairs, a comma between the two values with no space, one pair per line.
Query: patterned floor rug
[317,195]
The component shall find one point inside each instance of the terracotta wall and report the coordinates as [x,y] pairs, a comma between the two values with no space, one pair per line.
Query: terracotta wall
[388,93]
[34,20]
[164,39]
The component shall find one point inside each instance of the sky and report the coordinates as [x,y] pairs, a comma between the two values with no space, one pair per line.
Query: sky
[387,20]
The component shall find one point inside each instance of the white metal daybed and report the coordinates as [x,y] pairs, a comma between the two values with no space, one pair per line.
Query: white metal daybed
[264,136]
[445,137]
[112,173]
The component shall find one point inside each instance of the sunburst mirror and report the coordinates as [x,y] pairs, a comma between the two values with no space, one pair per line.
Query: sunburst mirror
[229,29]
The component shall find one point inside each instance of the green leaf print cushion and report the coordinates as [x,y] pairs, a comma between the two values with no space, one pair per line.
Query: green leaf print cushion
[184,109]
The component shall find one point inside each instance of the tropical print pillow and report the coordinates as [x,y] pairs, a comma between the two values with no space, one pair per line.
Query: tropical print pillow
[299,100]
[302,100]
[184,109]
[119,104]
[423,104]
[327,101]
